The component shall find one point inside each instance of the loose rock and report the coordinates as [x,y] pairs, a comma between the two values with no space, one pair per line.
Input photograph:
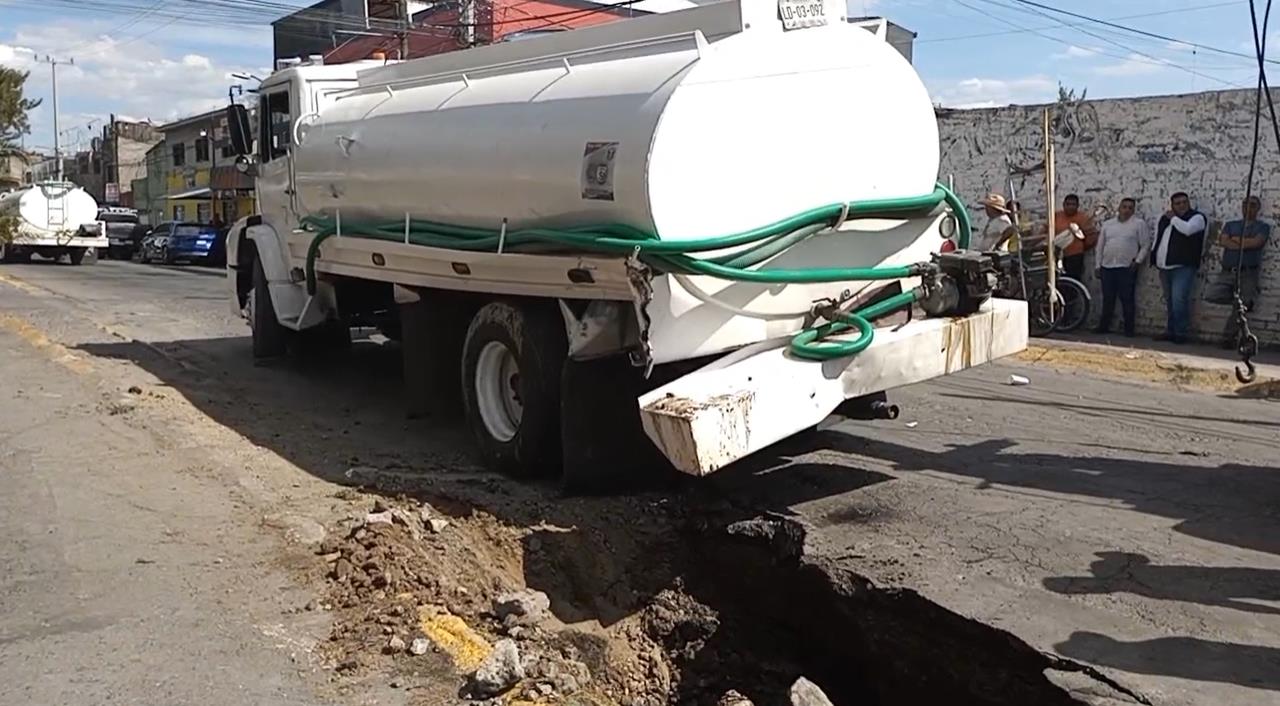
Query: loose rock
[526,605]
[378,518]
[395,644]
[733,698]
[437,525]
[499,671]
[420,646]
[806,693]
[410,523]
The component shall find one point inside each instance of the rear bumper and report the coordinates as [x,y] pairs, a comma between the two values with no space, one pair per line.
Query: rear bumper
[188,253]
[54,242]
[761,394]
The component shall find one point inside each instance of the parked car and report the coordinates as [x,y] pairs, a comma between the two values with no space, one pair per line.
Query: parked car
[172,242]
[122,231]
[152,245]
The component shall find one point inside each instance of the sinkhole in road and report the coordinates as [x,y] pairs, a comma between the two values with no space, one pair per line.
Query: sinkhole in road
[778,617]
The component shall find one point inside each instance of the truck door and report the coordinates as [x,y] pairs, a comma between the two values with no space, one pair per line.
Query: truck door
[275,171]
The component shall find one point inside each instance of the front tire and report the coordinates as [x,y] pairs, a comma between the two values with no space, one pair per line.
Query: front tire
[512,358]
[270,339]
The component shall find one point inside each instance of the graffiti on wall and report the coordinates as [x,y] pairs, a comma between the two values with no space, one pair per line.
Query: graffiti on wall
[1073,125]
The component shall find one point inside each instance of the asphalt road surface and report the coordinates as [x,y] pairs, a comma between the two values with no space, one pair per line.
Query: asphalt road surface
[1127,536]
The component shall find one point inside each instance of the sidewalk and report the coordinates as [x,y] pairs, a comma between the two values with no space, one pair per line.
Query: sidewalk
[1188,365]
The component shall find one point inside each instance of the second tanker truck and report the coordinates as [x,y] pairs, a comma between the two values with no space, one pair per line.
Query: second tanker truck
[50,219]
[698,233]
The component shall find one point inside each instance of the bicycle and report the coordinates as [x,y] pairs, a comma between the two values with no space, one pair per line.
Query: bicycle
[1027,278]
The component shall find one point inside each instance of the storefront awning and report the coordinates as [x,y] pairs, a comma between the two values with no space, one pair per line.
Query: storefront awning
[202,193]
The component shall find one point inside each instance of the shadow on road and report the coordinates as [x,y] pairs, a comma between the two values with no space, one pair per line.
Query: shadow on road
[1183,657]
[1230,503]
[608,559]
[1221,586]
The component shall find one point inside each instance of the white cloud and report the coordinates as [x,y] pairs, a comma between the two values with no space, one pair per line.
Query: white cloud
[1076,52]
[1133,65]
[991,92]
[149,76]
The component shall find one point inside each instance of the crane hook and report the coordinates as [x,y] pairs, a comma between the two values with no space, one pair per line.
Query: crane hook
[1247,342]
[1249,375]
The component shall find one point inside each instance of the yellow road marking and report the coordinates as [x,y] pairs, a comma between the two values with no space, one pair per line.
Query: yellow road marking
[19,284]
[56,352]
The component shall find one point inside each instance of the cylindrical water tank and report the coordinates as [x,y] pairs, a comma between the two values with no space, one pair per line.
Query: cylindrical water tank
[49,208]
[685,137]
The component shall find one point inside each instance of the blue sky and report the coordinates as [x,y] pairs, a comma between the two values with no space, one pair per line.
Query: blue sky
[146,65]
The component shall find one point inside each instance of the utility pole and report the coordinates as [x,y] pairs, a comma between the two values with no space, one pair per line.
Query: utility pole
[406,21]
[468,21]
[53,68]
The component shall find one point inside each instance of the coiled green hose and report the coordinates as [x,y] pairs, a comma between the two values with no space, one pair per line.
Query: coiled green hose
[675,256]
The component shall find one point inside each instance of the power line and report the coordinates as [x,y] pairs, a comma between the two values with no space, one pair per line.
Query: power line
[1144,33]
[1058,23]
[1156,61]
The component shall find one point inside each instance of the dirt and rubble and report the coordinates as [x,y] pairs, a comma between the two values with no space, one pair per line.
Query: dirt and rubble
[609,636]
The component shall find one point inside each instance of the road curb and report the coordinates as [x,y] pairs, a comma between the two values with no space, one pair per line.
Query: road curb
[1176,369]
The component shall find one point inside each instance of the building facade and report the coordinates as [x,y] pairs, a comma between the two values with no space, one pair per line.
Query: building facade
[342,30]
[124,148]
[15,169]
[200,182]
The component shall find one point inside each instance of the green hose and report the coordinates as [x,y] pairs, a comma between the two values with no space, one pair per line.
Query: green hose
[809,343]
[674,256]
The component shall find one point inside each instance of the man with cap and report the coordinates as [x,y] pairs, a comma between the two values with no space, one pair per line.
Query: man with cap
[999,226]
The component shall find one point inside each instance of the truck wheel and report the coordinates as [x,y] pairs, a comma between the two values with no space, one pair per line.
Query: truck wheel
[270,339]
[512,357]
[76,255]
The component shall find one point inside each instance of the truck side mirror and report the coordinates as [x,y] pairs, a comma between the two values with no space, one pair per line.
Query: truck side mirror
[238,126]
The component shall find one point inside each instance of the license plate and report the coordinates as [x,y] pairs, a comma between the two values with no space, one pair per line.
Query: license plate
[799,14]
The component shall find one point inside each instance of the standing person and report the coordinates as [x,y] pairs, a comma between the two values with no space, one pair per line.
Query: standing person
[1073,254]
[1241,248]
[1123,243]
[1178,248]
[999,226]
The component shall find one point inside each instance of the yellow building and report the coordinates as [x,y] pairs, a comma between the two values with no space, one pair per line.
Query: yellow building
[202,185]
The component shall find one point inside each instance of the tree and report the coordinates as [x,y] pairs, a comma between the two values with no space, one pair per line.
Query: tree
[13,109]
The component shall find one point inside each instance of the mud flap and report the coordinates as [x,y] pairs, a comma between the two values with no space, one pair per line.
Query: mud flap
[604,444]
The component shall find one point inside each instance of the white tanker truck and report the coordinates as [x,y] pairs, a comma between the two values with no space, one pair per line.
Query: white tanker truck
[699,232]
[50,219]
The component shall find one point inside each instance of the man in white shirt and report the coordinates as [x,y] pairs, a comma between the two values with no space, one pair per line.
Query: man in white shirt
[1178,248]
[999,226]
[1123,243]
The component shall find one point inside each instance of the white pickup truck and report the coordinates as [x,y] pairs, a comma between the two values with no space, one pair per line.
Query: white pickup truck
[688,232]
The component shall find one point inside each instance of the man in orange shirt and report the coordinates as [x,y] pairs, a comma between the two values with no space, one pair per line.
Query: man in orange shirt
[1073,255]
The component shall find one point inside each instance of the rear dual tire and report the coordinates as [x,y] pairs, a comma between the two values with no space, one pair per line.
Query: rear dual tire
[512,358]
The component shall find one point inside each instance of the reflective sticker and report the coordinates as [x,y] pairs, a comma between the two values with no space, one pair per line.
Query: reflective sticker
[597,170]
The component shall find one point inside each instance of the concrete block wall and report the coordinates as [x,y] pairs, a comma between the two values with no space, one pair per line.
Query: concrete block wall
[1145,148]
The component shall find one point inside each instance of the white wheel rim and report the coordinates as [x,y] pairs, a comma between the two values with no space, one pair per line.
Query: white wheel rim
[497,384]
